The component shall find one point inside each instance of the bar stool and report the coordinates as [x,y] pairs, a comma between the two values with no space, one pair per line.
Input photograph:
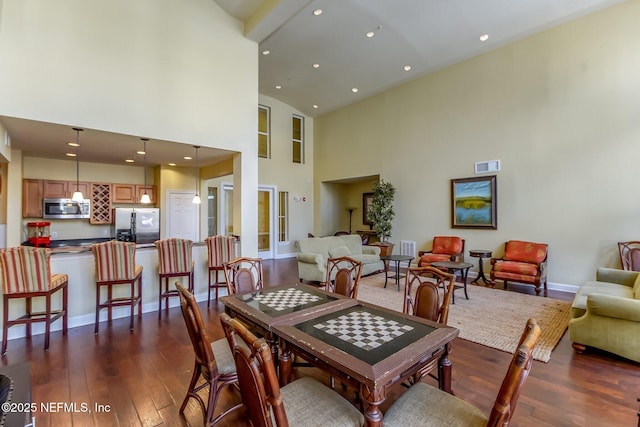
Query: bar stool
[26,273]
[116,265]
[221,249]
[174,260]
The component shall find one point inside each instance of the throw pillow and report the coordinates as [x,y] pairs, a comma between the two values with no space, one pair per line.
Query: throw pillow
[339,251]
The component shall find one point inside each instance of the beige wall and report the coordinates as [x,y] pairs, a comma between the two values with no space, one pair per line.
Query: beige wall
[183,73]
[560,110]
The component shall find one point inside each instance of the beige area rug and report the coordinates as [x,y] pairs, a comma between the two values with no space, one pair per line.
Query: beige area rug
[491,317]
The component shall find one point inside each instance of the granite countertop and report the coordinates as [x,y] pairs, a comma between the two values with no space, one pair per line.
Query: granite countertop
[75,246]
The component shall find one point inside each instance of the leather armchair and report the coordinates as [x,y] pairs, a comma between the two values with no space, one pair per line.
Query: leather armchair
[523,262]
[445,248]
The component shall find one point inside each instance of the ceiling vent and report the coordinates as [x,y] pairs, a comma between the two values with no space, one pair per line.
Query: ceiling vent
[487,166]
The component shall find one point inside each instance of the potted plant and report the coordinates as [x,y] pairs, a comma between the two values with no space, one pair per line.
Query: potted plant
[381,214]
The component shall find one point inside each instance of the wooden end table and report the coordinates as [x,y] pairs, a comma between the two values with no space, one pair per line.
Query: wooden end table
[481,253]
[453,266]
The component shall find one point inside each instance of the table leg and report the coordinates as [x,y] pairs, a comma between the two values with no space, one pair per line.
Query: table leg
[444,371]
[465,274]
[386,272]
[285,363]
[371,401]
[481,275]
[398,275]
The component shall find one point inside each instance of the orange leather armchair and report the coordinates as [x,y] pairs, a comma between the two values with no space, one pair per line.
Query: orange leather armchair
[445,248]
[523,262]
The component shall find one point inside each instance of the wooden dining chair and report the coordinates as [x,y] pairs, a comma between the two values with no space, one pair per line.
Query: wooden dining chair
[220,249]
[422,299]
[629,255]
[213,361]
[423,405]
[115,265]
[243,275]
[343,276]
[174,260]
[303,402]
[26,274]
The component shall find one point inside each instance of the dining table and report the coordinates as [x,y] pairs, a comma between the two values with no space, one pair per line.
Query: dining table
[369,347]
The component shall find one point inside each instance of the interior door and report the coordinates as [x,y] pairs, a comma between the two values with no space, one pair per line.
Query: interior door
[182,218]
[266,218]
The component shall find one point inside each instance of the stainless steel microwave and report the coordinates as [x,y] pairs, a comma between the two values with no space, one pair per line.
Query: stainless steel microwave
[66,208]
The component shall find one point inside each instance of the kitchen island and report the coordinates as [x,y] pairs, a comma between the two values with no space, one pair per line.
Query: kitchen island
[78,263]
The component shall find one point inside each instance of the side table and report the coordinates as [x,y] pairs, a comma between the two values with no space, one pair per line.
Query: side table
[453,266]
[397,259]
[481,253]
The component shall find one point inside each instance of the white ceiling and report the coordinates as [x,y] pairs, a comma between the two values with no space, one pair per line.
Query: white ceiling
[425,34]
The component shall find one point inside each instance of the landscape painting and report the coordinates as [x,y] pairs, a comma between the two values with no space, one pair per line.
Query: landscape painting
[473,203]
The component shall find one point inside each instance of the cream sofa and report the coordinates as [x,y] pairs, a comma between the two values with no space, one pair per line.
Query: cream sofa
[313,253]
[606,314]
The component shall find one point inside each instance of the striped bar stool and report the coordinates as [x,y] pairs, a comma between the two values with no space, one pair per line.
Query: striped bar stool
[221,249]
[26,274]
[174,260]
[116,265]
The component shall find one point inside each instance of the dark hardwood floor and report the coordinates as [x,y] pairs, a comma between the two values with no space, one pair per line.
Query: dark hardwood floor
[140,377]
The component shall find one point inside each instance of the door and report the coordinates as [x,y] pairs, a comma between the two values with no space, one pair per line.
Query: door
[266,217]
[182,218]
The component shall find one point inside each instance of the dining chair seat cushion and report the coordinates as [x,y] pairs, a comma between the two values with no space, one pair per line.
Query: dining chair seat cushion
[415,407]
[224,357]
[308,403]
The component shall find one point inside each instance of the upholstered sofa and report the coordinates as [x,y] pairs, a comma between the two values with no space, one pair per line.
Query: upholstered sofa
[313,254]
[606,314]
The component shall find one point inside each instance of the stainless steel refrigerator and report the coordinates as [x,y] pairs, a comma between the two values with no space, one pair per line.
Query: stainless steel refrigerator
[140,225]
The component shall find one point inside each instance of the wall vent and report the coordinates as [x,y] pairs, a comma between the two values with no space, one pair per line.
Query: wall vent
[487,166]
[408,247]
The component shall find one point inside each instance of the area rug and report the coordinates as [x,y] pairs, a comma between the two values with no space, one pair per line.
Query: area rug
[491,317]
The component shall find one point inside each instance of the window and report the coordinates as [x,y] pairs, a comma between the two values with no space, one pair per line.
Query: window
[298,139]
[264,132]
[283,216]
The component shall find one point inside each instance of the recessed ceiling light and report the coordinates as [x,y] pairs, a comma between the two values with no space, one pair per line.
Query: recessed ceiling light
[317,12]
[316,65]
[266,52]
[354,90]
[315,106]
[171,164]
[129,160]
[484,37]
[407,68]
[278,87]
[73,144]
[371,34]
[140,152]
[71,154]
[187,157]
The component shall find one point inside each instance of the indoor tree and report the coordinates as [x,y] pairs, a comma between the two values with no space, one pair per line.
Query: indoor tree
[381,212]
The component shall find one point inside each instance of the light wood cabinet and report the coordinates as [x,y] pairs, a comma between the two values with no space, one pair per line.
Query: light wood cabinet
[149,189]
[100,196]
[123,193]
[32,198]
[53,189]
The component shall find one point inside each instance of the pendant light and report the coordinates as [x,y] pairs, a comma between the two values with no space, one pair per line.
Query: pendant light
[145,197]
[77,195]
[196,198]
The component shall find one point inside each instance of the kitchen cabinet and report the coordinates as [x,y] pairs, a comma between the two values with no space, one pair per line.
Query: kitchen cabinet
[123,193]
[131,193]
[32,198]
[52,189]
[149,189]
[100,196]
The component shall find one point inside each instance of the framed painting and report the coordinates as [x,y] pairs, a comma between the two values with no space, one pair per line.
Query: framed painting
[474,203]
[367,199]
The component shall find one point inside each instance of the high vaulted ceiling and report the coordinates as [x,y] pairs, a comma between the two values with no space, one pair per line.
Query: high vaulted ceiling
[426,35]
